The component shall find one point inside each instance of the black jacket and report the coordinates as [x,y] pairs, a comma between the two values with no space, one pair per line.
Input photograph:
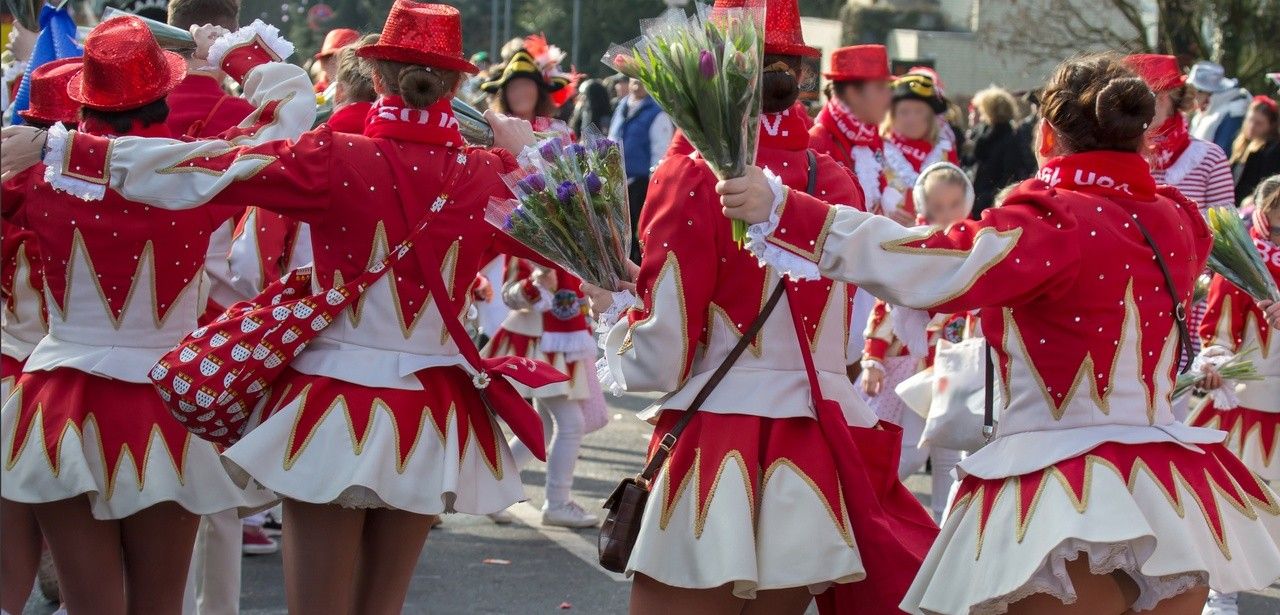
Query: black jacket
[1256,167]
[998,158]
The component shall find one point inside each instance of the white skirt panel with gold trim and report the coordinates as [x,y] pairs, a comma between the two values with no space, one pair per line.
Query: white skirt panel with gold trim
[748,501]
[1200,518]
[425,451]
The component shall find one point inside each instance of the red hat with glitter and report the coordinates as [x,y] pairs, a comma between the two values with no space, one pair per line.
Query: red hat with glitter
[859,63]
[49,101]
[335,40]
[124,68]
[419,33]
[1161,72]
[782,34]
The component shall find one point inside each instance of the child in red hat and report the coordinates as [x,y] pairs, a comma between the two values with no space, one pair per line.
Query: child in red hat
[116,482]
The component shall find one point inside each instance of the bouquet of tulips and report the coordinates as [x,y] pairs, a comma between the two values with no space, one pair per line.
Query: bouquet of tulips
[1238,368]
[570,206]
[1235,257]
[704,71]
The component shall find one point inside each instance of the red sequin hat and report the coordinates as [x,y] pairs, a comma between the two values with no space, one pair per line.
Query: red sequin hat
[419,33]
[124,68]
[1161,72]
[335,40]
[782,35]
[859,63]
[49,101]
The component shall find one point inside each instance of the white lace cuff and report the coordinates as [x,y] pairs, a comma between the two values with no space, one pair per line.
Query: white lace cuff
[873,364]
[269,34]
[608,382]
[623,300]
[55,151]
[786,263]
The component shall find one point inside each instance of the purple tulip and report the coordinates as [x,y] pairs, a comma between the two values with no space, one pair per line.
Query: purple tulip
[533,183]
[594,183]
[565,192]
[707,64]
[603,145]
[575,150]
[550,150]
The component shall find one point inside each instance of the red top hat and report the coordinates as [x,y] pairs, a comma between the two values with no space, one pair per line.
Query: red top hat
[335,40]
[1161,72]
[782,33]
[859,63]
[49,101]
[418,33]
[124,68]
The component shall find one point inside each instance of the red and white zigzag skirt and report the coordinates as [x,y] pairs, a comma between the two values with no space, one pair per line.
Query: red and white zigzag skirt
[1170,516]
[68,433]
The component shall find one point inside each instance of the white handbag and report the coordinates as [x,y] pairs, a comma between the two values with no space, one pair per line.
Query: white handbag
[963,397]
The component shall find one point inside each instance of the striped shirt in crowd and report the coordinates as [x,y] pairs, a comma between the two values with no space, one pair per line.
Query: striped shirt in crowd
[1202,173]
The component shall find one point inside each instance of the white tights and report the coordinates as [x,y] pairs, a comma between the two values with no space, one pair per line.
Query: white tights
[566,440]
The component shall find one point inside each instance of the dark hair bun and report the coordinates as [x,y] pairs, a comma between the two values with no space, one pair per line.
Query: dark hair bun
[1124,108]
[1096,102]
[779,86]
[421,87]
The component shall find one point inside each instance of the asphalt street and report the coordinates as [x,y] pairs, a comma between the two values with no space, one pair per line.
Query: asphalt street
[472,566]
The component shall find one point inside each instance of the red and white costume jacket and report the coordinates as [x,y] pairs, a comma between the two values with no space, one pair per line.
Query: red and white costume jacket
[1088,455]
[855,144]
[1233,323]
[548,326]
[698,290]
[1199,169]
[25,321]
[1052,269]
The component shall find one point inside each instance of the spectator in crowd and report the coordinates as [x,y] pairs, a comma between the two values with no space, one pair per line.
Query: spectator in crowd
[592,108]
[644,131]
[1220,104]
[1256,151]
[481,60]
[521,88]
[619,89]
[327,57]
[916,135]
[1193,165]
[997,157]
[354,94]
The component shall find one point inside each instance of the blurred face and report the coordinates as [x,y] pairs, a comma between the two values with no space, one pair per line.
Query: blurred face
[621,88]
[912,118]
[1202,100]
[1273,219]
[945,203]
[1257,125]
[869,101]
[330,66]
[1164,109]
[522,97]
[637,89]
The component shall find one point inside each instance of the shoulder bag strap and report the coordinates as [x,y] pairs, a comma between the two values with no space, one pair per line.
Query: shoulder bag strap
[669,440]
[1179,307]
[988,398]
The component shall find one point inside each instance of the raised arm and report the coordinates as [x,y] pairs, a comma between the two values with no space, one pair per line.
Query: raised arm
[1010,255]
[175,174]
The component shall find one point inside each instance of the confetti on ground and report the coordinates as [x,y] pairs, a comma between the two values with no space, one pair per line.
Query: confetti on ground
[497,562]
[564,606]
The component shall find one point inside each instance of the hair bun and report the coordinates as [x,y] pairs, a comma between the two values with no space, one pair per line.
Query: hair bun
[1124,108]
[420,86]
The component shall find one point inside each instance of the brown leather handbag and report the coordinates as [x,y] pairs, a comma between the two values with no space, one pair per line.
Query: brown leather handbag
[621,525]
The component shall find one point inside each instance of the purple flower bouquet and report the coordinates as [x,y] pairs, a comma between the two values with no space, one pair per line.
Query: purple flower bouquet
[570,206]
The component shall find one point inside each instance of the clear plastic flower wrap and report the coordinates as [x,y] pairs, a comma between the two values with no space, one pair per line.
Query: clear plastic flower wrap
[704,71]
[570,206]
[1236,258]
